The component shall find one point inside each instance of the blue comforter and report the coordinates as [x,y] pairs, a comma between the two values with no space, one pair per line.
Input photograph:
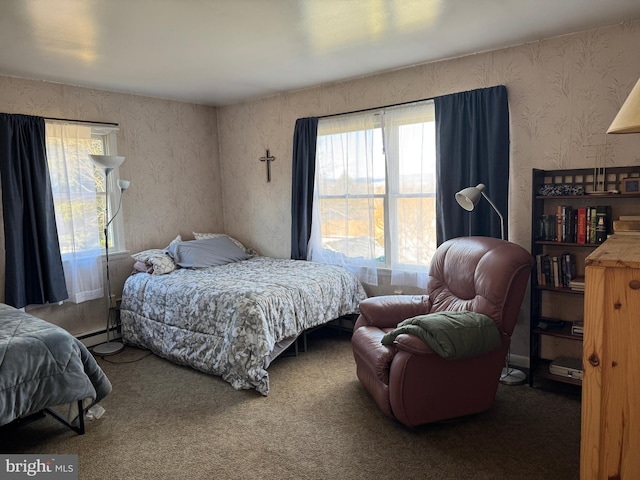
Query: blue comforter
[42,365]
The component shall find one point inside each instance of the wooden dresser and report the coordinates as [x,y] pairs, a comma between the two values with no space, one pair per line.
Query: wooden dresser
[610,438]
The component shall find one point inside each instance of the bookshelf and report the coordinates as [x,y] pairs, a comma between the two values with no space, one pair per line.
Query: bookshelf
[559,198]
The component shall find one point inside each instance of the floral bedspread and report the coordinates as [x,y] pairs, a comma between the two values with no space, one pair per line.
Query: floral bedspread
[225,320]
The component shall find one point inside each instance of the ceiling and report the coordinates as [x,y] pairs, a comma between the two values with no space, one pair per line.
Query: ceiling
[220,52]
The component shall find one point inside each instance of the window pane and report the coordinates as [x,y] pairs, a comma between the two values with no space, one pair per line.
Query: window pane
[416,240]
[417,158]
[375,178]
[98,148]
[348,225]
[73,186]
[348,162]
[78,185]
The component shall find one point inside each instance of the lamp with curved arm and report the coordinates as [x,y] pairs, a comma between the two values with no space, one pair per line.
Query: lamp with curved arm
[108,163]
[468,198]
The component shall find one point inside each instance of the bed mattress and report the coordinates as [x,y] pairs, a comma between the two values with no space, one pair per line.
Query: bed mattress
[42,366]
[226,320]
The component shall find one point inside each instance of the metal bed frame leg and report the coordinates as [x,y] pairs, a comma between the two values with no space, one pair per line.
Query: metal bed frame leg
[80,428]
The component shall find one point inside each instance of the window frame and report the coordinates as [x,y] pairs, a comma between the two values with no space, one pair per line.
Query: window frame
[116,228]
[107,133]
[391,252]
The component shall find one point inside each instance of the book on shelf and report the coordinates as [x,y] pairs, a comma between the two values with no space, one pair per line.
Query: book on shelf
[539,273]
[543,270]
[555,271]
[592,225]
[629,217]
[581,233]
[577,225]
[546,271]
[603,216]
[565,220]
[626,226]
[577,328]
[577,284]
[568,269]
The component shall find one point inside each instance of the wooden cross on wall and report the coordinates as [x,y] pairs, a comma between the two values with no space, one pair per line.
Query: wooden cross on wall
[268,159]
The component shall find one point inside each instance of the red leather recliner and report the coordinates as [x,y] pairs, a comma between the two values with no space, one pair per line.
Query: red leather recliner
[408,380]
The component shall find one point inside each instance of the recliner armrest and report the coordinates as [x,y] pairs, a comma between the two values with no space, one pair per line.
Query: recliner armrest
[388,310]
[413,344]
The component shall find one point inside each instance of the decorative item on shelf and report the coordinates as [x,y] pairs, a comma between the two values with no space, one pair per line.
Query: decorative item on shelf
[628,118]
[601,151]
[630,185]
[553,190]
[468,198]
[550,324]
[108,163]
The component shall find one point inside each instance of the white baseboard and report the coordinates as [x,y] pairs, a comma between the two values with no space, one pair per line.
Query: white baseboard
[519,361]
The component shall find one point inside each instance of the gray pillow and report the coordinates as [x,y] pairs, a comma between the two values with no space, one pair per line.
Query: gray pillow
[205,253]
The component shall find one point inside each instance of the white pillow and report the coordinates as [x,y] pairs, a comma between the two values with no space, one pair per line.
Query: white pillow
[156,258]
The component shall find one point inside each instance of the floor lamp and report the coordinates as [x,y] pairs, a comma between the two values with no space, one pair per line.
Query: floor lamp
[108,163]
[468,199]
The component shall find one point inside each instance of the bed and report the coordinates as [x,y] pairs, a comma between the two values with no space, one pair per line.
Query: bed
[233,319]
[43,366]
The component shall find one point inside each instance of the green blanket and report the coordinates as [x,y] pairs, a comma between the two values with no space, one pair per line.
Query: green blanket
[452,335]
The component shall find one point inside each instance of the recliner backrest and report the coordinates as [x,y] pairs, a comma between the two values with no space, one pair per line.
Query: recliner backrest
[480,274]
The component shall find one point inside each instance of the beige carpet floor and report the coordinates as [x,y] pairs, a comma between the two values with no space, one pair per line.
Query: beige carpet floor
[164,421]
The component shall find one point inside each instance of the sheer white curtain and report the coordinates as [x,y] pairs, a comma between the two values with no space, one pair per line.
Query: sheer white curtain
[409,137]
[374,196]
[74,192]
[346,205]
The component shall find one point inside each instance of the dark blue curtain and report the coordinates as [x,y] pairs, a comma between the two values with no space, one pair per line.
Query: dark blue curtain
[304,168]
[472,147]
[33,269]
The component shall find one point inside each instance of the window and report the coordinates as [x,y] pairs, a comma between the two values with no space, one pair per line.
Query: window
[375,192]
[79,195]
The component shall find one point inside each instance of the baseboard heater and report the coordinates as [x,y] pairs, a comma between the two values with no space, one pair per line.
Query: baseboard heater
[91,339]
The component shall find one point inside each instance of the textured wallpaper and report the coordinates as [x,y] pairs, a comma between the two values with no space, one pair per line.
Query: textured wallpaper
[194,167]
[171,159]
[563,94]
